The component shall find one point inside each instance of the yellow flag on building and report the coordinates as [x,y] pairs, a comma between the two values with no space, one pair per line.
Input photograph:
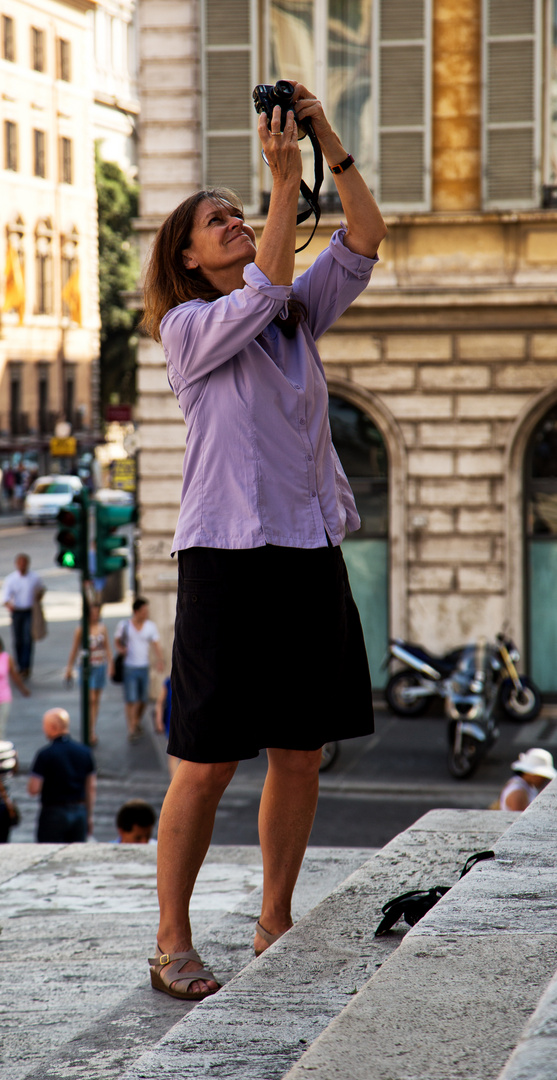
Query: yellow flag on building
[71,294]
[14,287]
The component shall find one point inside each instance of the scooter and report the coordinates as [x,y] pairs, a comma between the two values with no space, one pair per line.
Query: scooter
[470,705]
[426,676]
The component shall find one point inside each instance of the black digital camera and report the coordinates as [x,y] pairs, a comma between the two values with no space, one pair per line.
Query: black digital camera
[267,97]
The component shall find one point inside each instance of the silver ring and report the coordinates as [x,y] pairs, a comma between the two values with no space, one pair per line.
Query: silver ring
[276,133]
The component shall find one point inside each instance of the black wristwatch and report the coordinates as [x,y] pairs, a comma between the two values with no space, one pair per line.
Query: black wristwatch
[344,165]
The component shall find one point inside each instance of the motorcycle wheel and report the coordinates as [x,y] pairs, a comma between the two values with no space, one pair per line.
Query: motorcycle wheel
[520,708]
[463,764]
[394,693]
[329,753]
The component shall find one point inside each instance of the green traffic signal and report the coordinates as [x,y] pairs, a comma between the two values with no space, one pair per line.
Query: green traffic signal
[108,519]
[72,535]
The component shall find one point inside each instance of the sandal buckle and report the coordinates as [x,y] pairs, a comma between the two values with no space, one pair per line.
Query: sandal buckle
[164,959]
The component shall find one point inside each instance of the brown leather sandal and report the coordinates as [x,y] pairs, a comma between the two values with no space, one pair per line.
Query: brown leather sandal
[269,938]
[165,970]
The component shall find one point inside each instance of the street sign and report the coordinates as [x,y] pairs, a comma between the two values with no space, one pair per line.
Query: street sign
[63,447]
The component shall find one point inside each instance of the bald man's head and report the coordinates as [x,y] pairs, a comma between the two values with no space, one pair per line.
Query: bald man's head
[56,722]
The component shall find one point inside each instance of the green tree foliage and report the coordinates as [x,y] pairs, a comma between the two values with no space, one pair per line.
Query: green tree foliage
[118,273]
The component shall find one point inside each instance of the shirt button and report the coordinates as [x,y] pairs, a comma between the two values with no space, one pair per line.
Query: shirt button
[309,457]
[296,387]
[313,494]
[302,421]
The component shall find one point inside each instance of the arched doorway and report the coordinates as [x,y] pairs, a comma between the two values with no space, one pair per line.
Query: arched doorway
[363,454]
[540,500]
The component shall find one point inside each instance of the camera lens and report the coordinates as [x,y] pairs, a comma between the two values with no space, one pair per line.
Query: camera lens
[284,89]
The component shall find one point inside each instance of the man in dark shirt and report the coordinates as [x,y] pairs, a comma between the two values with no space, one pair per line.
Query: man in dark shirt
[63,774]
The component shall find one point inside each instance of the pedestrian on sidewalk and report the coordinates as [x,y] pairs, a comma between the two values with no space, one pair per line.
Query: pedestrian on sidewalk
[22,589]
[134,638]
[63,774]
[8,671]
[9,813]
[532,772]
[100,664]
[268,647]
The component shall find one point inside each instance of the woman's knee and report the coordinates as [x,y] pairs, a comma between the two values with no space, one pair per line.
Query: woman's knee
[301,762]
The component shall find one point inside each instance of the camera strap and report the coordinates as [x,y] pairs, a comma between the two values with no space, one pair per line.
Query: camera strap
[312,197]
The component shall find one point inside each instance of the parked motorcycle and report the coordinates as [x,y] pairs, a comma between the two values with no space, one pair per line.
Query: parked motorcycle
[426,676]
[470,705]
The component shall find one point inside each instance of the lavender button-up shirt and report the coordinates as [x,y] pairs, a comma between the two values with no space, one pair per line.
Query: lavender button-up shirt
[260,467]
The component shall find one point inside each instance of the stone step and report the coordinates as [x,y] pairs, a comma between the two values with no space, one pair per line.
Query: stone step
[78,923]
[261,1023]
[452,1001]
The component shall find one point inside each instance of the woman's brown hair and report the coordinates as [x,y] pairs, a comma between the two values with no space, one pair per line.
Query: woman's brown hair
[168,283]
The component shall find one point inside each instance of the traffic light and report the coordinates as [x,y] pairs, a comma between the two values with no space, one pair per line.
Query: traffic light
[110,518]
[72,535]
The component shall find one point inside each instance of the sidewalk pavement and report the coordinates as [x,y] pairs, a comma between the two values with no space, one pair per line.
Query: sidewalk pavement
[125,770]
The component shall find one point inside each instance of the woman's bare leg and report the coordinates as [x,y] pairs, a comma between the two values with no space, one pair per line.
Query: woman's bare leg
[286,814]
[185,829]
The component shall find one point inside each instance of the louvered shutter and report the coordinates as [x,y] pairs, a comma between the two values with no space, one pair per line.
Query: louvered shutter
[229,119]
[512,104]
[402,103]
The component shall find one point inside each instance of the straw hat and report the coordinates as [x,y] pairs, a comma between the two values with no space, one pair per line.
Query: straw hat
[535,761]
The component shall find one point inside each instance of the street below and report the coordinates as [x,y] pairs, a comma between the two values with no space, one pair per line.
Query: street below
[377,786]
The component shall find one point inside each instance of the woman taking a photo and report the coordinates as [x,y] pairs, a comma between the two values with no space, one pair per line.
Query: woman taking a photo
[268,648]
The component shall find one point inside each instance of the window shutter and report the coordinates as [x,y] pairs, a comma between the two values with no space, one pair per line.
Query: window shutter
[511,104]
[402,104]
[229,119]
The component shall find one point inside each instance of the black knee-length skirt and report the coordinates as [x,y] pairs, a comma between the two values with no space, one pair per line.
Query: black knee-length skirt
[268,652]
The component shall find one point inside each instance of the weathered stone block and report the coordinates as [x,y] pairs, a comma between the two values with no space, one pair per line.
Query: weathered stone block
[154,407]
[406,407]
[486,579]
[170,138]
[498,406]
[161,491]
[473,377]
[455,549]
[479,463]
[385,377]
[440,521]
[544,346]
[409,434]
[456,435]
[526,376]
[153,436]
[431,578]
[182,107]
[172,76]
[418,347]
[495,346]
[481,520]
[174,43]
[172,13]
[152,378]
[160,520]
[179,169]
[446,620]
[430,463]
[349,347]
[149,353]
[162,463]
[455,493]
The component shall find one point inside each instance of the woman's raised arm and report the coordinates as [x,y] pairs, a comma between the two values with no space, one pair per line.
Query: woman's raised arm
[365,226]
[275,251]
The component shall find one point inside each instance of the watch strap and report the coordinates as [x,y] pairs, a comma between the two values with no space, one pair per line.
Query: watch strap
[343,166]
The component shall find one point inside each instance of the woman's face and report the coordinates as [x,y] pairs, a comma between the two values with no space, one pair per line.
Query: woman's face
[221,242]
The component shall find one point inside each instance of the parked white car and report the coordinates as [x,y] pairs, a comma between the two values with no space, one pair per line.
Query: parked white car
[47,496]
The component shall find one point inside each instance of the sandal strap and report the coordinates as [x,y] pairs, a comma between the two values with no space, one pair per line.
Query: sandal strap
[170,964]
[166,958]
[269,938]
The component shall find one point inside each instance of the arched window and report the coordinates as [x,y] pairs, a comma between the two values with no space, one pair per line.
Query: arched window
[540,490]
[71,296]
[363,455]
[44,304]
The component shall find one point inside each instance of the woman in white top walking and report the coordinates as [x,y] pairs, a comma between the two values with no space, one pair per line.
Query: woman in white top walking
[133,640]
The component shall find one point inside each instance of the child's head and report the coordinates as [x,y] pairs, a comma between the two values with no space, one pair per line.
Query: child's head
[135,821]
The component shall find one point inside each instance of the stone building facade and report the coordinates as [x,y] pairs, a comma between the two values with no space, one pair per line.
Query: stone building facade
[451,353]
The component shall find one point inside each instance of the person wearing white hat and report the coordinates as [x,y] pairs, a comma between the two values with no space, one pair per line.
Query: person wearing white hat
[534,769]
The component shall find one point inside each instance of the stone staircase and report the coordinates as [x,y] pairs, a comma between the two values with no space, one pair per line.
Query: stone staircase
[463,995]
